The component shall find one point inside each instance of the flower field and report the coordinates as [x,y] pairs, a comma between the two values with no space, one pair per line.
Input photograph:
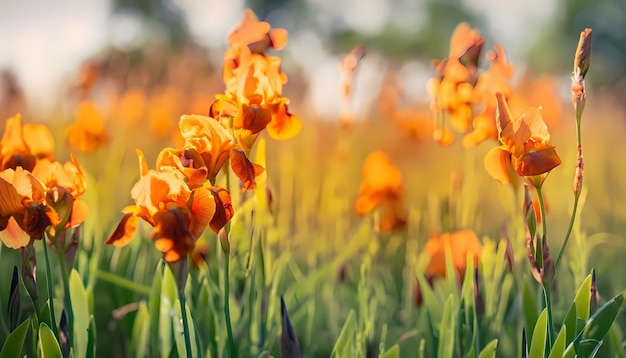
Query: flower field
[170,209]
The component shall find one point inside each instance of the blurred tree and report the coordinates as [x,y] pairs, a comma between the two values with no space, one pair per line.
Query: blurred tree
[163,13]
[554,51]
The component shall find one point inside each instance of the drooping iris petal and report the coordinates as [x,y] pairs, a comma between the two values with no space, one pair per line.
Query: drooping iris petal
[224,210]
[245,170]
[497,163]
[13,236]
[203,208]
[124,231]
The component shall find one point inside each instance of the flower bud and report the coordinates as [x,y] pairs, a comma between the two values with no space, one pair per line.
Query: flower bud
[583,53]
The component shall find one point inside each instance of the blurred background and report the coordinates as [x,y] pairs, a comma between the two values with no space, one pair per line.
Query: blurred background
[44,43]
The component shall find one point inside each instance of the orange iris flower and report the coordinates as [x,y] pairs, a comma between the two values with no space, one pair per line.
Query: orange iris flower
[382,187]
[21,145]
[255,79]
[23,213]
[214,144]
[66,183]
[524,149]
[453,85]
[495,80]
[87,133]
[459,243]
[178,214]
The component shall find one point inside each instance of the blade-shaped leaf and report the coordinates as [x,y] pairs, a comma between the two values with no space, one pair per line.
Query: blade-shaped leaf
[489,350]
[48,343]
[559,344]
[538,342]
[344,347]
[14,343]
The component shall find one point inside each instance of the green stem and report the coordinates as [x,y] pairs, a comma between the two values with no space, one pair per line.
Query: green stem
[68,298]
[50,294]
[183,312]
[232,349]
[546,294]
[576,197]
[542,210]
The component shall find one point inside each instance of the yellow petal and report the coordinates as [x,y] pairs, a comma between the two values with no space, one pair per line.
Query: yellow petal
[497,163]
[13,236]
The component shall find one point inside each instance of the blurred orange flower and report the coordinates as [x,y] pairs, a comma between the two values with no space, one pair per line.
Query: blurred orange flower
[178,214]
[524,147]
[21,145]
[496,79]
[255,79]
[88,132]
[452,88]
[459,244]
[257,35]
[382,188]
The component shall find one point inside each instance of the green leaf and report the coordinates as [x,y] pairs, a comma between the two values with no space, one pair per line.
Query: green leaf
[344,347]
[154,306]
[141,331]
[168,305]
[91,341]
[80,307]
[14,343]
[588,348]
[570,324]
[559,344]
[599,324]
[393,352]
[447,329]
[44,313]
[529,305]
[538,342]
[48,343]
[582,299]
[489,350]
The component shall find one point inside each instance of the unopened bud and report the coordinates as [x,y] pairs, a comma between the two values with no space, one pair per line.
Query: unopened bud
[583,54]
[594,296]
[223,237]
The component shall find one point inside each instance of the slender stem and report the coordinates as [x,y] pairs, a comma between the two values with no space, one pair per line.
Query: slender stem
[542,210]
[50,294]
[546,294]
[567,235]
[68,298]
[183,312]
[576,197]
[232,350]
